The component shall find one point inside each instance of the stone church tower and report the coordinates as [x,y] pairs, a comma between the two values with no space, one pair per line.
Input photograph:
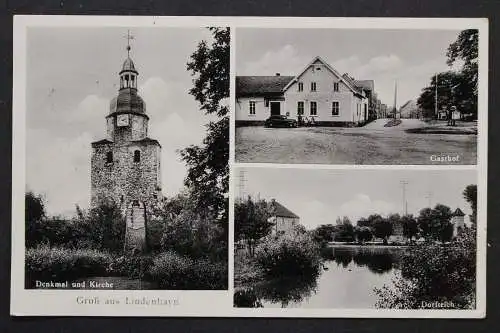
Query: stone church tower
[125,166]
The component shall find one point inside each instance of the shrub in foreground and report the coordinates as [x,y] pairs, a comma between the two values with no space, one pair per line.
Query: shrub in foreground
[291,253]
[173,271]
[59,264]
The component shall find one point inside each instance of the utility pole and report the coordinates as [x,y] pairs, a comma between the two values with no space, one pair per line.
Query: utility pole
[429,197]
[241,184]
[395,97]
[436,97]
[405,205]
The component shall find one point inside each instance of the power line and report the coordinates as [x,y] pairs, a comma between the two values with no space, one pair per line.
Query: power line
[405,205]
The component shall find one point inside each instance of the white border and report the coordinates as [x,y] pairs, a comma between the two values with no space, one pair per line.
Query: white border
[219,303]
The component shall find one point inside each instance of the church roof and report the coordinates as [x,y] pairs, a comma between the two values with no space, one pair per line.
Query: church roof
[281,211]
[128,65]
[127,101]
[101,142]
[261,85]
[148,140]
[458,212]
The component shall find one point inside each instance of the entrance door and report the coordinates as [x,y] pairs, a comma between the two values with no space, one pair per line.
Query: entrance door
[275,108]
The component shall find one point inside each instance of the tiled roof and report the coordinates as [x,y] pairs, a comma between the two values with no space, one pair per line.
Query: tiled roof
[261,85]
[281,211]
[365,84]
[101,142]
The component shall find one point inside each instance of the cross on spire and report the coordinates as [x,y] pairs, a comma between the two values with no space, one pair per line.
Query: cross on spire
[129,38]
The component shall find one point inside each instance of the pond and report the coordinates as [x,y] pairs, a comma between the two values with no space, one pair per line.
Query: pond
[348,280]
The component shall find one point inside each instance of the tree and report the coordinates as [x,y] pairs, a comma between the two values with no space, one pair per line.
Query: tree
[208,169]
[470,195]
[345,230]
[453,89]
[435,223]
[251,222]
[382,228]
[410,226]
[324,233]
[364,234]
[466,48]
[34,214]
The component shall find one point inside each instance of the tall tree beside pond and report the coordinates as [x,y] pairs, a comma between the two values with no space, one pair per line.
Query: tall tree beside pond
[324,233]
[470,195]
[382,228]
[251,222]
[345,230]
[435,223]
[410,226]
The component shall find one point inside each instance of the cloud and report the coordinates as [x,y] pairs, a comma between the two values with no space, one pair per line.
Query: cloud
[285,60]
[58,159]
[362,205]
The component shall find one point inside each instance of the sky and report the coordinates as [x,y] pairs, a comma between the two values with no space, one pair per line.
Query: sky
[72,74]
[319,196]
[411,57]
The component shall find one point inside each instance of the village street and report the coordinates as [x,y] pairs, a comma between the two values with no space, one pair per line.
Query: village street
[411,142]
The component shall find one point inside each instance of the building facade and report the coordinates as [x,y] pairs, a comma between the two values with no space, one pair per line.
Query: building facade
[282,218]
[125,166]
[318,92]
[458,221]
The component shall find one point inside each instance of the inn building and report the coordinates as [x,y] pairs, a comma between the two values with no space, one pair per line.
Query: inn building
[319,91]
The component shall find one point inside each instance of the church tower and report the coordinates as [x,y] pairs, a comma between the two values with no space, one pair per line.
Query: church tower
[125,166]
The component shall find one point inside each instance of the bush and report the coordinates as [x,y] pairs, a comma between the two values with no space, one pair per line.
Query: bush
[134,267]
[58,264]
[435,273]
[173,271]
[291,253]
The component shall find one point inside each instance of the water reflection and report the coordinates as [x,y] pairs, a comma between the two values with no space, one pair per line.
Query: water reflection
[378,260]
[348,280]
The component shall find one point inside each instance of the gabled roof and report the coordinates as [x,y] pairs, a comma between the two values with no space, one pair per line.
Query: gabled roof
[261,85]
[281,211]
[330,68]
[458,212]
[365,84]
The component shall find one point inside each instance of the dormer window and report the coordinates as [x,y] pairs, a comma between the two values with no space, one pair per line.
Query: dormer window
[137,156]
[109,157]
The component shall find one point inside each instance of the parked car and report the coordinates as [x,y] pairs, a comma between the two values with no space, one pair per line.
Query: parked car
[280,121]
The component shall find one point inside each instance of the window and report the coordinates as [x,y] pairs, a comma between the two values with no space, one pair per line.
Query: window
[314,109]
[335,86]
[137,156]
[300,108]
[109,157]
[335,108]
[301,86]
[252,107]
[313,86]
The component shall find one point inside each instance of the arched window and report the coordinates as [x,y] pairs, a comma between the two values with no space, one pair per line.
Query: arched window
[109,157]
[137,156]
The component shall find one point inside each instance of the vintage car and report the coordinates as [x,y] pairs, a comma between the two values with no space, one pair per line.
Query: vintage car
[280,121]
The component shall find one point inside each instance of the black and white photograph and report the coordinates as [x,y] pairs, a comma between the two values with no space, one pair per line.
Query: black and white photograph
[127,145]
[356,96]
[355,239]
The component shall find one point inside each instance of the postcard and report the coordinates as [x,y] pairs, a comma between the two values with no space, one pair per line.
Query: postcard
[249,167]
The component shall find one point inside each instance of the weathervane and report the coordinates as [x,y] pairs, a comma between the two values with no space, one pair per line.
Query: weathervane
[129,37]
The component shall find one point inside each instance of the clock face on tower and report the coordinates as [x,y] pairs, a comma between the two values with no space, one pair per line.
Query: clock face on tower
[122,120]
